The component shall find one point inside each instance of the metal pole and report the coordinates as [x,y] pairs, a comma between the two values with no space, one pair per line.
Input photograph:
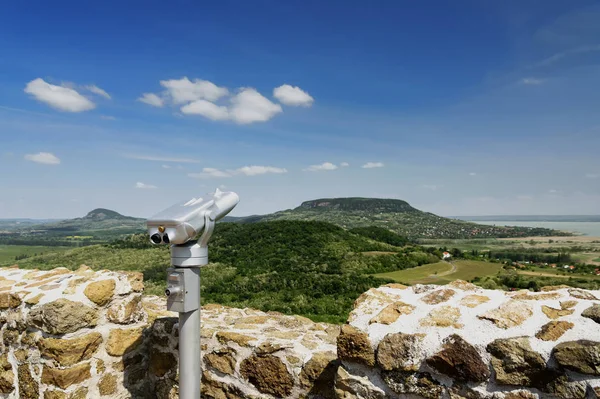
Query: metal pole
[189,352]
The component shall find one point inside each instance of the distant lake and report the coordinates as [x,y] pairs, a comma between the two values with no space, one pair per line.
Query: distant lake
[587,228]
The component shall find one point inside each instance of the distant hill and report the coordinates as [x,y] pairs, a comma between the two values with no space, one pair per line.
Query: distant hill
[395,215]
[99,219]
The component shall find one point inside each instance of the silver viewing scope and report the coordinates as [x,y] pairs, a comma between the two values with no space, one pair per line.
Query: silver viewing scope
[183,221]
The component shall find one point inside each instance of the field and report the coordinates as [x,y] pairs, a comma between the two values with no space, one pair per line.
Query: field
[443,272]
[9,252]
[545,272]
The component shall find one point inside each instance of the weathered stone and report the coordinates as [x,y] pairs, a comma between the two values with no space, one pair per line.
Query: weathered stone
[568,304]
[266,348]
[318,374]
[439,296]
[396,286]
[529,296]
[443,316]
[463,285]
[421,288]
[562,388]
[64,378]
[281,334]
[509,314]
[515,363]
[9,300]
[126,311]
[221,360]
[348,386]
[549,288]
[354,345]
[581,294]
[392,312]
[268,374]
[554,330]
[520,395]
[309,343]
[10,337]
[28,386]
[400,352]
[472,301]
[34,300]
[421,384]
[582,356]
[70,351]
[592,312]
[7,377]
[79,393]
[162,362]
[100,292]
[211,389]
[240,339]
[136,280]
[100,366]
[556,313]
[63,316]
[108,384]
[121,341]
[460,360]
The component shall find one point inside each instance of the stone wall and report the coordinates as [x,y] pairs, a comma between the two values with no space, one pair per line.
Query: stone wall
[460,341]
[83,334]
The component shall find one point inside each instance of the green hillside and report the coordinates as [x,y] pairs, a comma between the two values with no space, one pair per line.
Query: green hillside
[98,219]
[314,269]
[397,216]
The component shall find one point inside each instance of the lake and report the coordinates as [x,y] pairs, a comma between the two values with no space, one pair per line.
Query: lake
[587,228]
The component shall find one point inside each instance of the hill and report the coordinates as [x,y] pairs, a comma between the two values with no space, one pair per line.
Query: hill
[99,219]
[397,216]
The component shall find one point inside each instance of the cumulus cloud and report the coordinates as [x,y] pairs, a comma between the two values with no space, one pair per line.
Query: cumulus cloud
[253,170]
[144,186]
[96,90]
[152,99]
[532,81]
[183,90]
[370,165]
[58,97]
[321,167]
[344,164]
[250,106]
[207,109]
[293,96]
[46,158]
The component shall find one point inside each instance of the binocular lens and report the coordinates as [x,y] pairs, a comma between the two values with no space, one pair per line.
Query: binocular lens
[165,239]
[155,238]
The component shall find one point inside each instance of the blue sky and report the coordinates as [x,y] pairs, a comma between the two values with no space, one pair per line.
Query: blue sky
[460,108]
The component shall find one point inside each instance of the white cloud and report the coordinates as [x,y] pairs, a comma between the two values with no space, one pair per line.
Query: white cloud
[532,81]
[207,109]
[96,90]
[152,99]
[344,164]
[472,174]
[259,170]
[250,106]
[166,166]
[222,187]
[58,97]
[558,56]
[184,90]
[108,118]
[46,158]
[592,175]
[208,173]
[370,165]
[323,166]
[293,95]
[144,186]
[553,191]
[160,158]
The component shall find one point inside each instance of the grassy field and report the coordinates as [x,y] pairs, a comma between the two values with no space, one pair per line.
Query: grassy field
[544,272]
[444,272]
[9,252]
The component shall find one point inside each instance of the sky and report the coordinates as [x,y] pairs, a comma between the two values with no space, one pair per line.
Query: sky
[472,107]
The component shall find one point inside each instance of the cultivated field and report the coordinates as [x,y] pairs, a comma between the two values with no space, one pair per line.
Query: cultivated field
[444,272]
[9,252]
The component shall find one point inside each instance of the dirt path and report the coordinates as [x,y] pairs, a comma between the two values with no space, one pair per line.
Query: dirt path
[453,270]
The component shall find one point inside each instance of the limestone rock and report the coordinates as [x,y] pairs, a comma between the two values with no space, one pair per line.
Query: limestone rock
[28,386]
[568,304]
[556,313]
[211,389]
[582,356]
[64,378]
[7,377]
[439,296]
[34,300]
[421,384]
[240,339]
[126,311]
[516,363]
[472,301]
[54,394]
[268,374]
[581,294]
[121,341]
[162,362]
[509,314]
[63,316]
[108,385]
[100,292]
[549,288]
[319,372]
[9,300]
[463,285]
[563,388]
[348,386]
[460,360]
[443,316]
[79,393]
[528,296]
[266,348]
[396,286]
[136,280]
[222,360]
[398,351]
[520,395]
[354,345]
[392,312]
[592,312]
[67,352]
[554,330]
